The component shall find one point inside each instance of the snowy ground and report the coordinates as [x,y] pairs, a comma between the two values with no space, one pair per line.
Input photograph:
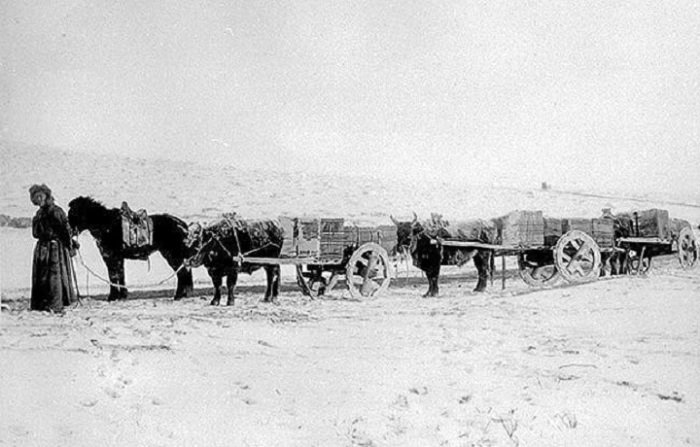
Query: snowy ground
[615,362]
[609,363]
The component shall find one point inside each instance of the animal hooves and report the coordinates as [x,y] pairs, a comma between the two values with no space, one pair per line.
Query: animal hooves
[213,303]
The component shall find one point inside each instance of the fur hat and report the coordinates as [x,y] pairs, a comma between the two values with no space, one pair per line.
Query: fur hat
[40,188]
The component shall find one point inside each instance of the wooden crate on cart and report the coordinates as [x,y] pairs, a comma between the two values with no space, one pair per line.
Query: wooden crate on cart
[521,229]
[387,237]
[601,230]
[302,237]
[333,238]
[552,231]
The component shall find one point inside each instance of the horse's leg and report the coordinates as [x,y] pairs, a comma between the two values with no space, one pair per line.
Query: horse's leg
[482,262]
[185,284]
[122,279]
[272,290]
[216,278]
[605,262]
[231,279]
[276,282]
[115,270]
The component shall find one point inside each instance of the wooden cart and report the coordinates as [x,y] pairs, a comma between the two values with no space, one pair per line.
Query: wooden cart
[324,250]
[652,234]
[548,249]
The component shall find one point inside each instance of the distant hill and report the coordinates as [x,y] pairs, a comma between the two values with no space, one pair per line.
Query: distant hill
[201,190]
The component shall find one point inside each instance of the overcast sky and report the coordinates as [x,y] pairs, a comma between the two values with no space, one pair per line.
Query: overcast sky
[575,93]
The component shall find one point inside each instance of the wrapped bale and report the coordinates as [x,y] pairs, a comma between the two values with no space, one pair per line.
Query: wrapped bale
[475,230]
[652,223]
[521,229]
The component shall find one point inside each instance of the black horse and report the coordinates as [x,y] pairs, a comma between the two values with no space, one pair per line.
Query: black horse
[413,237]
[105,225]
[220,246]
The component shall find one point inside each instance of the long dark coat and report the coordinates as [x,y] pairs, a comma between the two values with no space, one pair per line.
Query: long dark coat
[52,278]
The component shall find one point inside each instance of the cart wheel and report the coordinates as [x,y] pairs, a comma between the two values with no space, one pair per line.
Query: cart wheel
[687,248]
[315,282]
[368,272]
[535,274]
[577,257]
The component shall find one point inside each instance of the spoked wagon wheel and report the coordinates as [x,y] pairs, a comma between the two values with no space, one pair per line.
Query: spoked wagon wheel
[315,282]
[687,248]
[577,257]
[535,273]
[368,272]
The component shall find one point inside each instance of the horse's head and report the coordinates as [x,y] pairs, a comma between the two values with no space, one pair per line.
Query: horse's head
[194,242]
[83,212]
[405,232]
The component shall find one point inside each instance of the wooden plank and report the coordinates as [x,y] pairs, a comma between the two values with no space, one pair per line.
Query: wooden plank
[463,244]
[292,261]
[500,249]
[644,240]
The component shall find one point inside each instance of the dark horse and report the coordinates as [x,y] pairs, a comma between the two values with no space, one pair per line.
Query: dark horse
[219,248]
[414,238]
[105,225]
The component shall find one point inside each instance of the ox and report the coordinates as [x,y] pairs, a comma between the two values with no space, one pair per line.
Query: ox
[417,239]
[221,247]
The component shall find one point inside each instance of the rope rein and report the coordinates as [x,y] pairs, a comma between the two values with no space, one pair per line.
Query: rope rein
[121,286]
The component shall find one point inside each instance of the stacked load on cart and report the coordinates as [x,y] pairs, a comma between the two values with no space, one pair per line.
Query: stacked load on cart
[520,229]
[649,233]
[324,248]
[601,230]
[328,239]
[652,223]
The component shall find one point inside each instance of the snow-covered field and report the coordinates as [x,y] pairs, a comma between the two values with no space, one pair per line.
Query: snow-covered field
[616,362]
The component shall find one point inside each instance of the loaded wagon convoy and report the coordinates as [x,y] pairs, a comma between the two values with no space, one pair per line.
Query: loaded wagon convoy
[325,250]
[580,249]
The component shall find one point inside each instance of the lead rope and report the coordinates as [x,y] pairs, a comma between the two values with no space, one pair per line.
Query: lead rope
[120,286]
[79,301]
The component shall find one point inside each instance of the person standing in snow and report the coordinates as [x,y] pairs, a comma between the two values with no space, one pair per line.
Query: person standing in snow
[52,276]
